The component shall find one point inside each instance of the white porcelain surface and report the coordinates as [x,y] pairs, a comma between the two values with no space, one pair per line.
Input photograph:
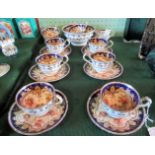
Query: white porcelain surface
[57,48]
[98,65]
[52,68]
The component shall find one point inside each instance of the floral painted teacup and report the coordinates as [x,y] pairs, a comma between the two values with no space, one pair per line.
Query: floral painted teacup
[50,63]
[57,45]
[98,44]
[100,61]
[50,32]
[120,100]
[36,98]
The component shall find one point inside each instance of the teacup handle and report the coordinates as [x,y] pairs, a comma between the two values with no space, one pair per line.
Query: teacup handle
[65,60]
[67,43]
[58,99]
[85,58]
[110,44]
[146,103]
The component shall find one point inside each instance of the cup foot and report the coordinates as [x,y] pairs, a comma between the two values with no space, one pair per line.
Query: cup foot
[79,44]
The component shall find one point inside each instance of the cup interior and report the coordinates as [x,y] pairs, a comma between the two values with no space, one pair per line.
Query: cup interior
[98,42]
[56,42]
[77,29]
[35,95]
[80,28]
[67,28]
[50,32]
[103,56]
[120,96]
[48,59]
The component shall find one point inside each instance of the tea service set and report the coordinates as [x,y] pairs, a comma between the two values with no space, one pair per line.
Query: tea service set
[77,35]
[116,108]
[100,60]
[52,62]
[94,41]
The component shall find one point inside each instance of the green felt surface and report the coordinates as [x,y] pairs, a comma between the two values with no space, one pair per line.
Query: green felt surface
[78,86]
[17,64]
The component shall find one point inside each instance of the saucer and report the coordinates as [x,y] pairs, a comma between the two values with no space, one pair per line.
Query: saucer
[102,120]
[86,50]
[37,75]
[4,68]
[115,71]
[26,124]
[67,51]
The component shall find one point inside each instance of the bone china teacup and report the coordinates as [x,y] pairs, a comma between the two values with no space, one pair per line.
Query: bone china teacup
[40,110]
[98,44]
[57,45]
[100,61]
[138,102]
[51,63]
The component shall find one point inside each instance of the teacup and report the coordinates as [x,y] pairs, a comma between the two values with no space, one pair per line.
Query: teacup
[104,34]
[50,32]
[120,100]
[24,96]
[98,44]
[57,45]
[50,63]
[100,61]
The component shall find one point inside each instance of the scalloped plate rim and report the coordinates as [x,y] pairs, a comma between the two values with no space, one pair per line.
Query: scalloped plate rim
[70,50]
[118,75]
[29,73]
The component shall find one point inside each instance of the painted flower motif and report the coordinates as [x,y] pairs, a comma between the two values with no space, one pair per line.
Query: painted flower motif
[35,124]
[110,73]
[37,75]
[112,124]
